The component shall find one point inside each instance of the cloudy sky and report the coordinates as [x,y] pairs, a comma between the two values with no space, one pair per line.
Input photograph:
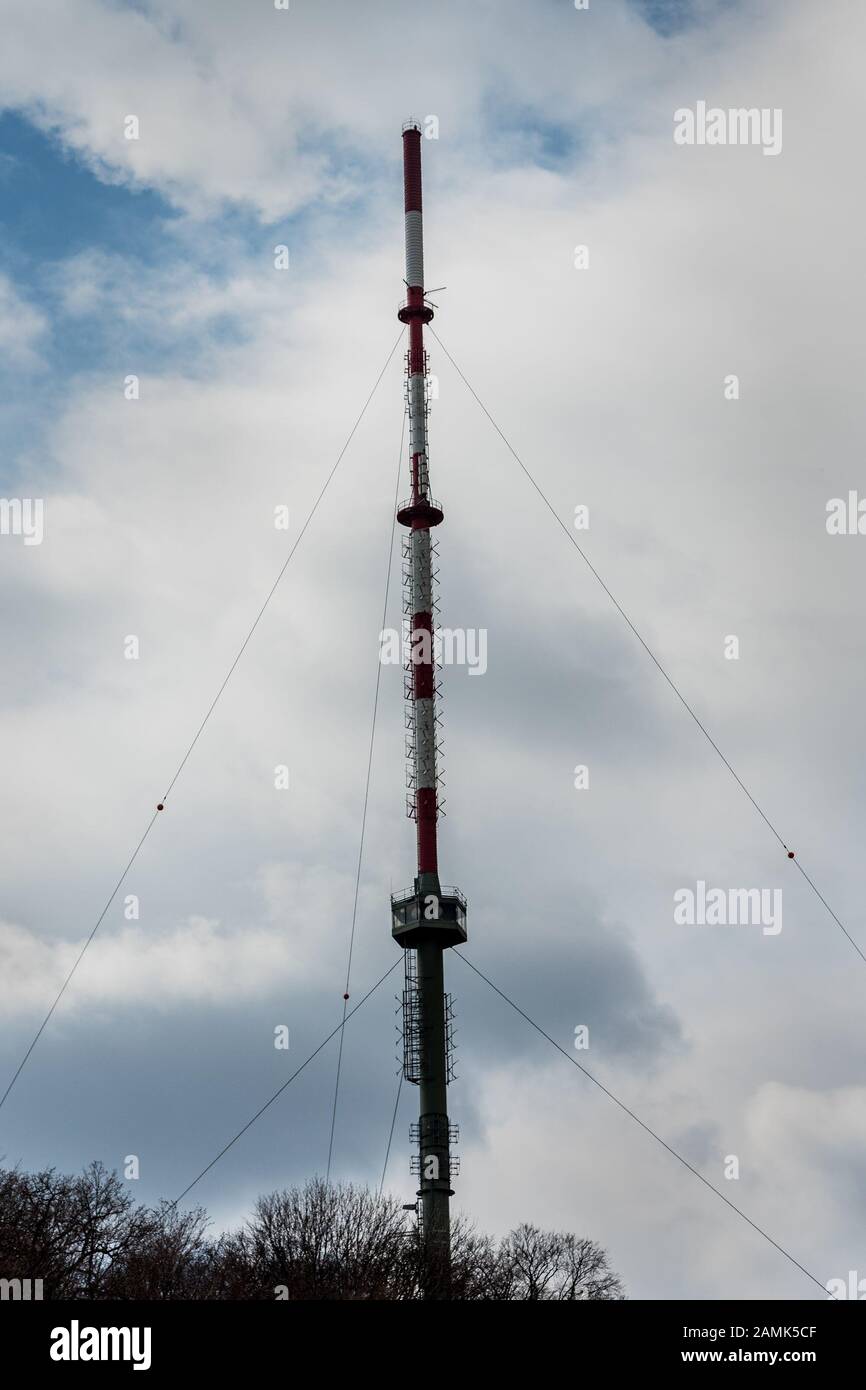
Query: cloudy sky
[154,257]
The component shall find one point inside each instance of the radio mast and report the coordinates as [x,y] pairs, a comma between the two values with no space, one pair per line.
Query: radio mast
[428,918]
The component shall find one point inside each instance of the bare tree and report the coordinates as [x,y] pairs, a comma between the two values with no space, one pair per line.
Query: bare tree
[329,1242]
[66,1231]
[86,1238]
[170,1259]
[553,1266]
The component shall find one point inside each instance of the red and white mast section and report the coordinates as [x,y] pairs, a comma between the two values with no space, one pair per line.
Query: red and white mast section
[420,514]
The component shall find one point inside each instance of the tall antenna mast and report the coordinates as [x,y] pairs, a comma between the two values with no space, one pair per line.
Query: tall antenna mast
[427,919]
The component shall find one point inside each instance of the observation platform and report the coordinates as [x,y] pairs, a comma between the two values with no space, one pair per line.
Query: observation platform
[418,917]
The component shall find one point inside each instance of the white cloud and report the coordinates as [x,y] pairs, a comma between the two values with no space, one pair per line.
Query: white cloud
[198,960]
[23,328]
[252,104]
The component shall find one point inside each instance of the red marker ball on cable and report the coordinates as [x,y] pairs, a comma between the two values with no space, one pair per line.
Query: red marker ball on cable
[790,854]
[160,806]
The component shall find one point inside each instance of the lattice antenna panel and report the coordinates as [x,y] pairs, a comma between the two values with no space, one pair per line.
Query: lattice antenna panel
[413,412]
[453,1167]
[411,1011]
[408,681]
[450,1039]
[438,1138]
[437,1135]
